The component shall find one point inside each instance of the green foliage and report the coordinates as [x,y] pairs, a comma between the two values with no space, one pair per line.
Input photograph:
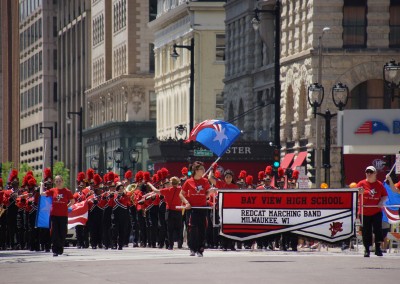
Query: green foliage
[6,168]
[60,169]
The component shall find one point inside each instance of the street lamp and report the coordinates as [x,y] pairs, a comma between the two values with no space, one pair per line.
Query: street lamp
[391,77]
[175,55]
[133,157]
[118,157]
[41,135]
[277,101]
[179,131]
[94,163]
[109,164]
[80,114]
[340,95]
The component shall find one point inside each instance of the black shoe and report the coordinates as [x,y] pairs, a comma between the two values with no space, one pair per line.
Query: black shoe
[55,254]
[94,247]
[366,253]
[378,252]
[120,248]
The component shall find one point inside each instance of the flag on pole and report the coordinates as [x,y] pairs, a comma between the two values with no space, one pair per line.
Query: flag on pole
[43,214]
[78,215]
[391,214]
[216,135]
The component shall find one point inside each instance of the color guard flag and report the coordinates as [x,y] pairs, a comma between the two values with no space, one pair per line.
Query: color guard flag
[216,135]
[391,214]
[78,215]
[43,215]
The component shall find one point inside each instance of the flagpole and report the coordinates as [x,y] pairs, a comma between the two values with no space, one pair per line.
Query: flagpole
[394,165]
[211,166]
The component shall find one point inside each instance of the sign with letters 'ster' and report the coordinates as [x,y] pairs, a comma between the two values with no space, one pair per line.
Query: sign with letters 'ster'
[328,215]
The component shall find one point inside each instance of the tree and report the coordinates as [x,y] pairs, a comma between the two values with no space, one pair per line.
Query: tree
[60,169]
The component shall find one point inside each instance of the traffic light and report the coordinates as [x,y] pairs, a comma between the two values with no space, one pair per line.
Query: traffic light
[276,158]
[310,159]
[387,160]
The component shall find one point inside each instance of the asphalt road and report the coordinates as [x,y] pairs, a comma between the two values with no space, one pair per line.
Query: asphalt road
[145,265]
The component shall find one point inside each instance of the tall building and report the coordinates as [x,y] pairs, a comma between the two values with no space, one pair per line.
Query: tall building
[179,22]
[73,55]
[9,83]
[38,82]
[326,42]
[120,105]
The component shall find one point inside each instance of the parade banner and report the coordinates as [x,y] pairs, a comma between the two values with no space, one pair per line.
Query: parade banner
[327,215]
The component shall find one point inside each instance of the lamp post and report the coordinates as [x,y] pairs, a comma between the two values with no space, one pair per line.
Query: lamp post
[175,55]
[118,157]
[94,163]
[80,114]
[109,164]
[133,157]
[51,142]
[179,131]
[340,95]
[391,77]
[277,99]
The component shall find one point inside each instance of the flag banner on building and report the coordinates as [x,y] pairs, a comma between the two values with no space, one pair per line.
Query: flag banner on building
[327,215]
[216,135]
[391,214]
[78,215]
[43,215]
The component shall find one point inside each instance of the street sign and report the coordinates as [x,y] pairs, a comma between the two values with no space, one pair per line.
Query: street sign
[303,178]
[202,153]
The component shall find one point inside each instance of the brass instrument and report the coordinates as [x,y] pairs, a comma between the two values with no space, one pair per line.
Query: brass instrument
[2,211]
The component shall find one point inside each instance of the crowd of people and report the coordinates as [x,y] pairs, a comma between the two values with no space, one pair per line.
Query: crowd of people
[153,211]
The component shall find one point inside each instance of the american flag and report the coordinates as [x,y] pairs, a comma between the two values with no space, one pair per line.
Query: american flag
[371,126]
[78,215]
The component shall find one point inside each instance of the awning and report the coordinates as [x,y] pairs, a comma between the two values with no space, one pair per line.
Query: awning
[287,160]
[299,160]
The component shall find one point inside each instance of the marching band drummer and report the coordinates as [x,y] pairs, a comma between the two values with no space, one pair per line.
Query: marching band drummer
[194,193]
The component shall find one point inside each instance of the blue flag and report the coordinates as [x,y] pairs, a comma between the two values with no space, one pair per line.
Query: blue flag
[391,214]
[216,135]
[43,215]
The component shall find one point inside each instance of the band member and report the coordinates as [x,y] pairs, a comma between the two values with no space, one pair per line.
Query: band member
[119,202]
[249,182]
[184,172]
[107,213]
[280,182]
[130,191]
[173,215]
[162,209]
[241,181]
[10,197]
[194,193]
[96,208]
[80,196]
[62,199]
[31,211]
[151,207]
[3,220]
[139,204]
[261,177]
[268,178]
[47,184]
[227,183]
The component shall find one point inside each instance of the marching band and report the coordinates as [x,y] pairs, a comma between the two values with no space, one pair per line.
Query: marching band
[146,211]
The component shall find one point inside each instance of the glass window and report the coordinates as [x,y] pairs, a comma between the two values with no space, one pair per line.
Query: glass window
[220,48]
[153,105]
[354,23]
[219,106]
[151,58]
[394,23]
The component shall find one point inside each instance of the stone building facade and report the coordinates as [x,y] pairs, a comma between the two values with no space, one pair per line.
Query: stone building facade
[178,22]
[353,53]
[120,105]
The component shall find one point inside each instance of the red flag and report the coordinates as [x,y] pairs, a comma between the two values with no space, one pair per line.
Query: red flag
[78,215]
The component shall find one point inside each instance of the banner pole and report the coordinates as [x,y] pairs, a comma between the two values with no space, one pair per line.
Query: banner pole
[211,166]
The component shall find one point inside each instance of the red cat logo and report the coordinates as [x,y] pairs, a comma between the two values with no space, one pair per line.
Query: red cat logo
[335,227]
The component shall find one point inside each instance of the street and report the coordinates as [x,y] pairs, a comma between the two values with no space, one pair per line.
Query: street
[146,265]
